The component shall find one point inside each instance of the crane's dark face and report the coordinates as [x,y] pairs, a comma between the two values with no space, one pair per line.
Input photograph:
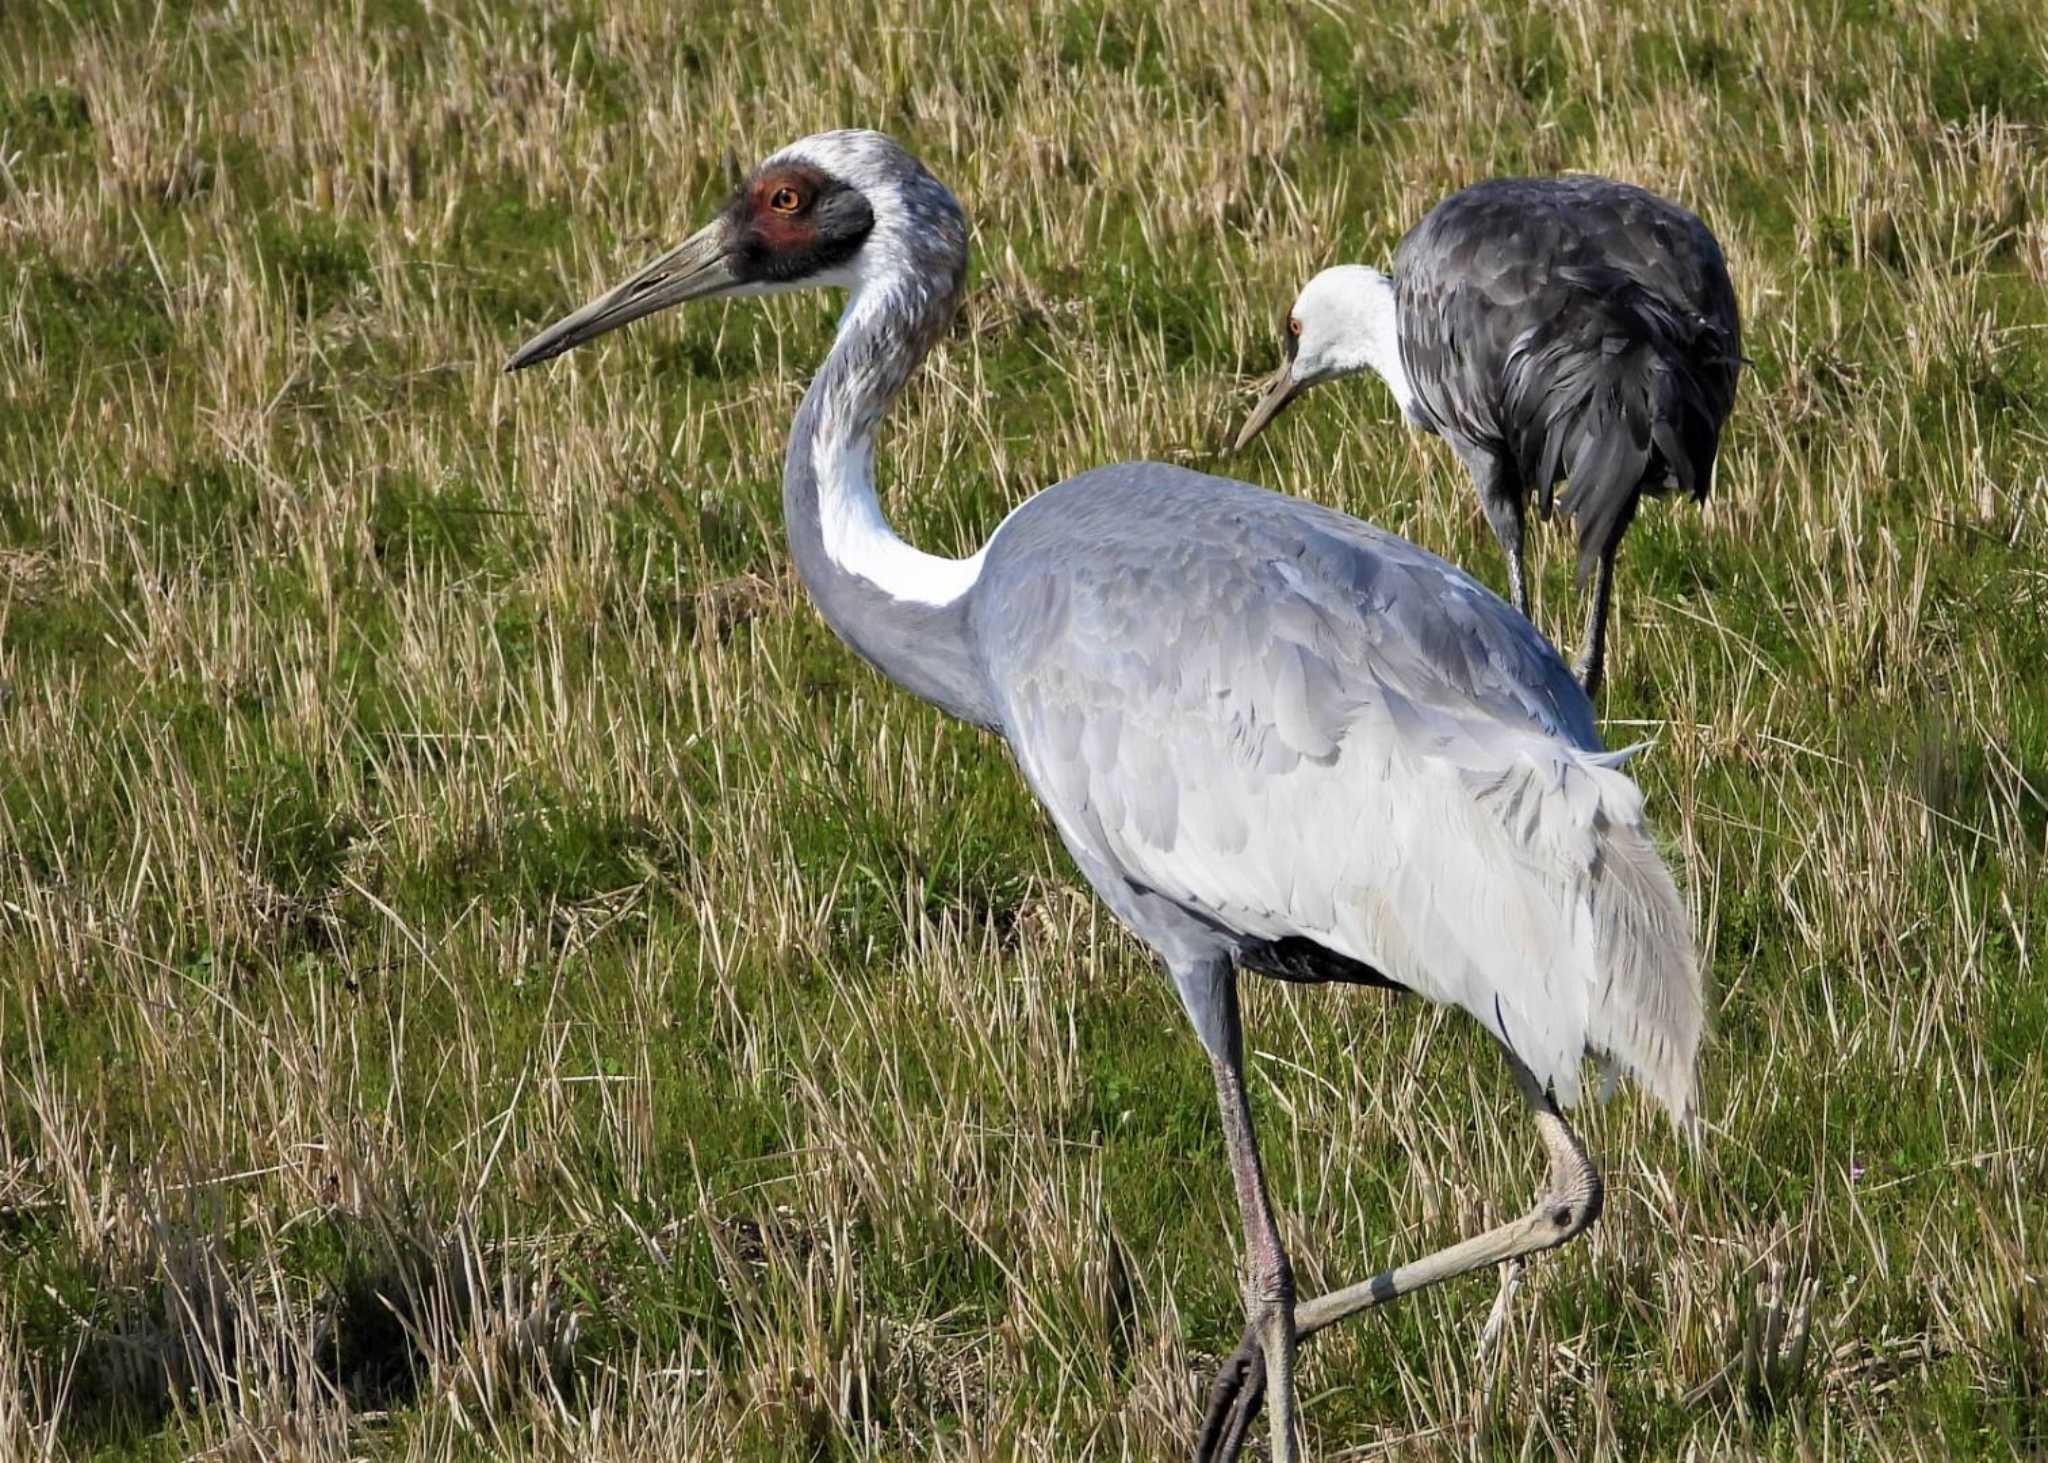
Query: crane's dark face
[790,225]
[794,224]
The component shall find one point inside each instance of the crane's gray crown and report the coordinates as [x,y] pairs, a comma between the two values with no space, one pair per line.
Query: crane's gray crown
[915,219]
[836,208]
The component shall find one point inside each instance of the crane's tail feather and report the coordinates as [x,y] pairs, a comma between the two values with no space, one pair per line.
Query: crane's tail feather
[1618,758]
[1575,823]
[1630,436]
[1648,1012]
[1619,408]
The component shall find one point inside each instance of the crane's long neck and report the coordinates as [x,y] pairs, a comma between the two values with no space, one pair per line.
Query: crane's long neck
[1382,343]
[903,610]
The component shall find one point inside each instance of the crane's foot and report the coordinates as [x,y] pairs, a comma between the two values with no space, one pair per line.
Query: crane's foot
[1489,1335]
[1571,1202]
[1235,1396]
[1238,1389]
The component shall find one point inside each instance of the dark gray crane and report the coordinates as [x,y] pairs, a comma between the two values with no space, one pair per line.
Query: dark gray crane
[1547,328]
[1272,737]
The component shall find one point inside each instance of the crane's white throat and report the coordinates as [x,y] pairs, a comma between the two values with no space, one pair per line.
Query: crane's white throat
[857,537]
[1383,337]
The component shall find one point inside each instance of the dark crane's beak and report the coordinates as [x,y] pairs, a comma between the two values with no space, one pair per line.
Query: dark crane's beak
[698,267]
[1282,389]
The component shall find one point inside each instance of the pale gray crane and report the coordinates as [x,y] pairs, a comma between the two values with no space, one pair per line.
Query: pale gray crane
[1272,737]
[1569,327]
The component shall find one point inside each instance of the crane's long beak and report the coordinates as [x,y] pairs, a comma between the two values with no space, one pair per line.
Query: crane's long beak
[1282,389]
[699,266]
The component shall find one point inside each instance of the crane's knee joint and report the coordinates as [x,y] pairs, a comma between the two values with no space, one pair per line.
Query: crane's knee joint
[1574,1202]
[1576,1213]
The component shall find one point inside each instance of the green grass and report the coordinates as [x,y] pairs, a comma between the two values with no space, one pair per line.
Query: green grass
[484,972]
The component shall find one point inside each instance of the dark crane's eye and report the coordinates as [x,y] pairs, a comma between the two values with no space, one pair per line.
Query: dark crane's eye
[785,199]
[1294,325]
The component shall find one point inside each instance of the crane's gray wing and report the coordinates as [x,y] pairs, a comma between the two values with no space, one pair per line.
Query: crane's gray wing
[1293,726]
[1582,328]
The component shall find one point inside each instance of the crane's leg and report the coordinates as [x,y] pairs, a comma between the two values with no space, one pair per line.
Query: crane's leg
[1497,1318]
[1593,659]
[1209,990]
[1568,1207]
[1500,494]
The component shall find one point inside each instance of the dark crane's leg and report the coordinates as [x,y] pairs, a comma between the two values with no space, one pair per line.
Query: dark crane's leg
[1592,666]
[1568,1207]
[1500,494]
[1209,989]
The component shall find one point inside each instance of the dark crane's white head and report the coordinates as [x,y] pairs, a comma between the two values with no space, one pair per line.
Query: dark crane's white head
[842,209]
[1342,323]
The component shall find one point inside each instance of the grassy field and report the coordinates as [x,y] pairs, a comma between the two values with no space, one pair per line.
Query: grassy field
[483,972]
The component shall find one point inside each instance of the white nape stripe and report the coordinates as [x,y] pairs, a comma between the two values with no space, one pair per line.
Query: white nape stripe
[858,538]
[1384,334]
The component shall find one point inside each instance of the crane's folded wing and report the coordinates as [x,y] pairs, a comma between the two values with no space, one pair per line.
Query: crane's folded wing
[1338,744]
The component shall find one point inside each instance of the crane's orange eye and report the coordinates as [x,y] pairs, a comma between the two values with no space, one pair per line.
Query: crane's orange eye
[785,199]
[1294,325]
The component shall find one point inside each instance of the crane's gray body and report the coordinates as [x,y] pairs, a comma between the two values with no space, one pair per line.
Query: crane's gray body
[1570,327]
[1274,735]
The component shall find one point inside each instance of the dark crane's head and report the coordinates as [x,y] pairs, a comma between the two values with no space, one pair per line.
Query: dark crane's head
[838,208]
[1342,323]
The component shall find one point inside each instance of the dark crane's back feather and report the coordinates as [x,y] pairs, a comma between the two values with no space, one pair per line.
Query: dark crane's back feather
[1578,328]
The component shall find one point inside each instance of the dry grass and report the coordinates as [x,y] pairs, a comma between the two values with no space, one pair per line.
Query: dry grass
[482,972]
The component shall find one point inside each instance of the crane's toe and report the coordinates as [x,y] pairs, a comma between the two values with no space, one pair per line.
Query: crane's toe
[1235,1396]
[1510,1281]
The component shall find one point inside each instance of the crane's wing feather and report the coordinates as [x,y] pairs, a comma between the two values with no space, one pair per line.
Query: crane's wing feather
[1291,725]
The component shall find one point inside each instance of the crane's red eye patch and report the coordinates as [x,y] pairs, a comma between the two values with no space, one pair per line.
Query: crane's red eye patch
[793,221]
[782,204]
